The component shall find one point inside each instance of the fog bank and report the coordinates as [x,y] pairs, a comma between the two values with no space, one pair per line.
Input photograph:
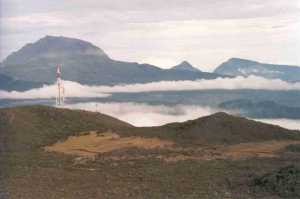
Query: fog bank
[74,89]
[139,114]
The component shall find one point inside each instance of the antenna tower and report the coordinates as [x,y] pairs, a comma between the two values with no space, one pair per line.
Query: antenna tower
[60,98]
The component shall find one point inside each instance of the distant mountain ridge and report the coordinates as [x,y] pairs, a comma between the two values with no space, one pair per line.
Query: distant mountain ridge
[35,64]
[261,109]
[185,66]
[8,83]
[244,67]
[85,63]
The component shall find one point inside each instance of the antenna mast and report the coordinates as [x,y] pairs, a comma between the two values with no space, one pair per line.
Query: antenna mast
[60,88]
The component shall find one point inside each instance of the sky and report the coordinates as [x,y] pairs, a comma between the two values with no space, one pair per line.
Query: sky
[164,33]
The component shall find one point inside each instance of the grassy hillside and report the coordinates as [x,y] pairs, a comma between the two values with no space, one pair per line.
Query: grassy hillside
[31,127]
[28,128]
[219,128]
[197,170]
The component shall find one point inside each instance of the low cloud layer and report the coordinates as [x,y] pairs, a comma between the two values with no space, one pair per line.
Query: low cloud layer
[139,114]
[251,82]
[74,89]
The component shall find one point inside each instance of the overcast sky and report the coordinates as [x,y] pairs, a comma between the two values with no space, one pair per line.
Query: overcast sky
[162,32]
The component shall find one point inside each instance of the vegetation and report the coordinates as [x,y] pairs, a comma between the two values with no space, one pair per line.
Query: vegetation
[294,148]
[27,171]
[29,128]
[284,182]
[219,128]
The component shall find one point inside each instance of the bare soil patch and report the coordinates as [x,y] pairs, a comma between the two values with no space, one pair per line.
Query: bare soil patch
[258,149]
[91,144]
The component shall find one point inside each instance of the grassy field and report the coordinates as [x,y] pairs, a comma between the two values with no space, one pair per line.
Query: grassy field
[28,171]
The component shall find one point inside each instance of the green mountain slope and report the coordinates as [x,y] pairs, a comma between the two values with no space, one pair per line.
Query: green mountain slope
[29,128]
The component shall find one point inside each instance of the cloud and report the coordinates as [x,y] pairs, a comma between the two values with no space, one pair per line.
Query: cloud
[177,9]
[251,82]
[74,89]
[139,114]
[204,32]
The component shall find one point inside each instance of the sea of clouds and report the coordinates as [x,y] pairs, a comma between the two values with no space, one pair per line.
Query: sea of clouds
[74,89]
[140,114]
[154,115]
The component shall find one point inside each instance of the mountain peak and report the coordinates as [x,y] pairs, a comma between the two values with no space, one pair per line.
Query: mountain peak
[50,47]
[185,66]
[68,43]
[245,67]
[185,63]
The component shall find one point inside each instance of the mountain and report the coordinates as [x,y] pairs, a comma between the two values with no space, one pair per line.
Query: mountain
[85,63]
[185,66]
[28,128]
[261,109]
[211,157]
[8,83]
[243,67]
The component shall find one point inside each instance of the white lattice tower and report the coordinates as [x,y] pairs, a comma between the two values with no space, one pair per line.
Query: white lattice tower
[60,87]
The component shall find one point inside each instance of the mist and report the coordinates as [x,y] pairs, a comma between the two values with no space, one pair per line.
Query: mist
[74,89]
[140,114]
[251,82]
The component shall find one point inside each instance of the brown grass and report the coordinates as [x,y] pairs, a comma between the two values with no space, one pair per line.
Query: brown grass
[260,149]
[92,144]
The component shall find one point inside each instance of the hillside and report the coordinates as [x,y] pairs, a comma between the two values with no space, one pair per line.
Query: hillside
[243,67]
[222,128]
[85,63]
[58,153]
[28,128]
